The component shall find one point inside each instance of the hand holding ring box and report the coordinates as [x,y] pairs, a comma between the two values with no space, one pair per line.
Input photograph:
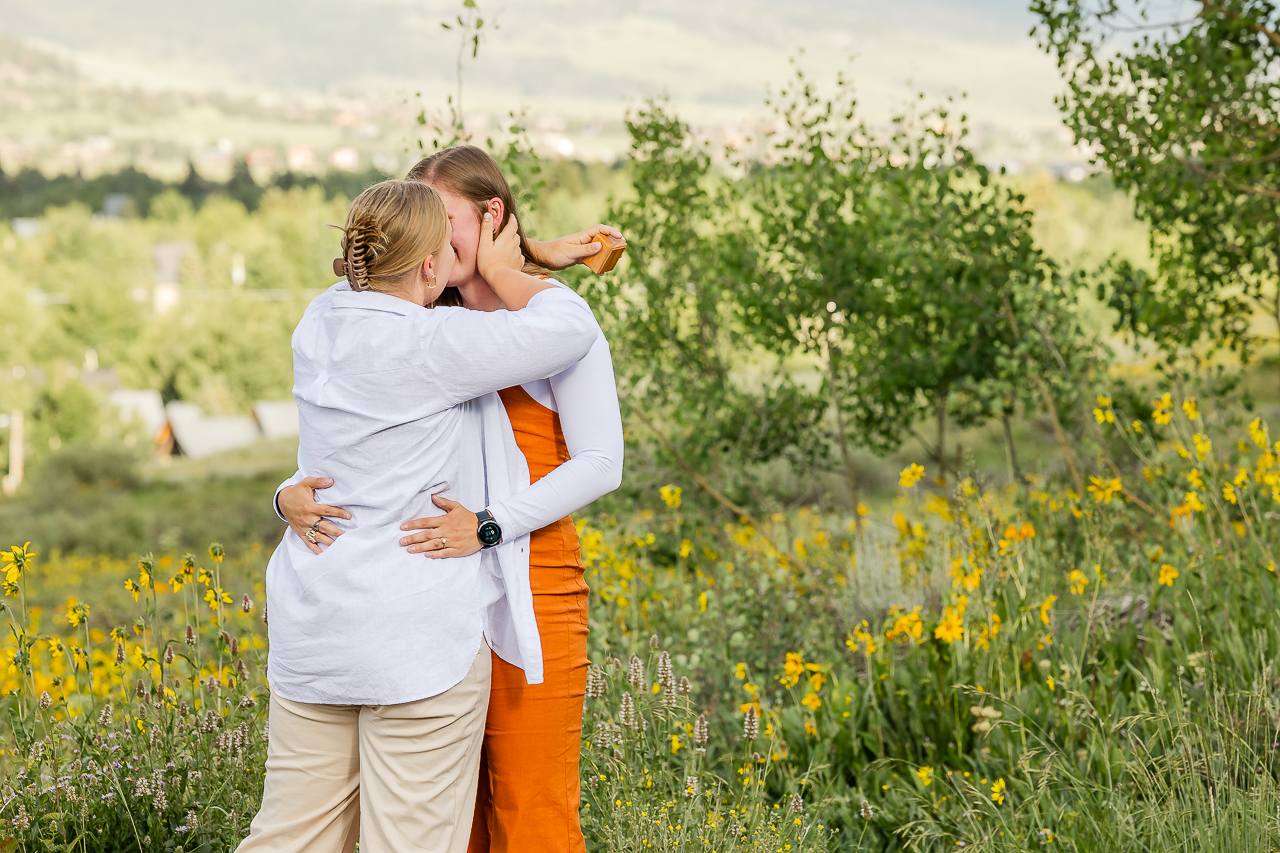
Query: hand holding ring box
[610,252]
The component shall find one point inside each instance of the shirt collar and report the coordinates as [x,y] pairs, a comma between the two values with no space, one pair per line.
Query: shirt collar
[371,301]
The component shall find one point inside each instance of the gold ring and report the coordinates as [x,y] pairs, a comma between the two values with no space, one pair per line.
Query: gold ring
[311,536]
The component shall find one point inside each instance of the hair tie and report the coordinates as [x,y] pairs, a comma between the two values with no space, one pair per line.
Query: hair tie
[340,267]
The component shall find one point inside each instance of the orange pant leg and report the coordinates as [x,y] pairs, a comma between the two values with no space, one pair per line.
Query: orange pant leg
[529,783]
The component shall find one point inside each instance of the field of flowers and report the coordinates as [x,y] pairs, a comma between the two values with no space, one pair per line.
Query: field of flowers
[1044,665]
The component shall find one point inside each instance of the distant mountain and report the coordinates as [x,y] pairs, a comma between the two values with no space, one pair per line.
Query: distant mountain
[570,56]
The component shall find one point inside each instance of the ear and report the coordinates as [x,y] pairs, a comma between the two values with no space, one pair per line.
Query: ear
[428,269]
[497,209]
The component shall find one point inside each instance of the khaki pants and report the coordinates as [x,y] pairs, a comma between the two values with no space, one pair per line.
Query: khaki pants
[399,778]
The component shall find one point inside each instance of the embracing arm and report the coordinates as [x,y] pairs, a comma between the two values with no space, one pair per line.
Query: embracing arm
[587,401]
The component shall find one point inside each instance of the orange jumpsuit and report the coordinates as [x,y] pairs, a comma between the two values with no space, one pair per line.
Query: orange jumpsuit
[529,785]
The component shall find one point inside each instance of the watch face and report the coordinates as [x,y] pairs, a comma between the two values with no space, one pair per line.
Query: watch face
[489,533]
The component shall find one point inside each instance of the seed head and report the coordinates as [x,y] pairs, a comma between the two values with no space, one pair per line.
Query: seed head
[653,641]
[45,700]
[669,696]
[627,714]
[700,732]
[104,718]
[234,646]
[140,690]
[666,676]
[264,614]
[595,683]
[797,804]
[247,701]
[690,787]
[168,655]
[751,724]
[685,687]
[225,637]
[866,810]
[635,672]
[191,636]
[119,652]
[21,820]
[246,604]
[241,669]
[182,708]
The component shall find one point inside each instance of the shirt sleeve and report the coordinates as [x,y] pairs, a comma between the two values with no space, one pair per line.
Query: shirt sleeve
[473,353]
[275,501]
[586,398]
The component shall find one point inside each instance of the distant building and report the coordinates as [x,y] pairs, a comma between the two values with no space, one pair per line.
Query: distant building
[300,158]
[198,436]
[168,258]
[345,159]
[261,158]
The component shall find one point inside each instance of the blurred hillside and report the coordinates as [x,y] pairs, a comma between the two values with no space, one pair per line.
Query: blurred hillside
[319,75]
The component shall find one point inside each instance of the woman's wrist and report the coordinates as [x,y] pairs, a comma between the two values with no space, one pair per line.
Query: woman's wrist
[516,288]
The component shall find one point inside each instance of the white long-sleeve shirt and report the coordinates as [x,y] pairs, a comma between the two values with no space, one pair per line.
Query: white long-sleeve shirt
[386,398]
[586,398]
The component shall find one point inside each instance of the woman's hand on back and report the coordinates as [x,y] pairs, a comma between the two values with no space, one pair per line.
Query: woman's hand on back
[498,252]
[298,506]
[454,534]
[572,249]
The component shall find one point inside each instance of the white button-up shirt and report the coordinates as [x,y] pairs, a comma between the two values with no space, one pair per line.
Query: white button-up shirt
[386,394]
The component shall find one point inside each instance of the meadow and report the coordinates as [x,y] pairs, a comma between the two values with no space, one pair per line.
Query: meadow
[977,665]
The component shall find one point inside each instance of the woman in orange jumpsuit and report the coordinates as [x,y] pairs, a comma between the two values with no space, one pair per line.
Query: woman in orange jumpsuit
[570,432]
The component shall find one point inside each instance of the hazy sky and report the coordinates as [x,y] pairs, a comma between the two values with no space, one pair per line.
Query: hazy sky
[572,56]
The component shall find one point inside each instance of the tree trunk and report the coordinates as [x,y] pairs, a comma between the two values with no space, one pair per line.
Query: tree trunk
[940,406]
[846,455]
[1010,452]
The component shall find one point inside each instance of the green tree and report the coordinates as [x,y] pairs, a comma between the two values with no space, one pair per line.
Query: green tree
[688,371]
[910,274]
[1185,117]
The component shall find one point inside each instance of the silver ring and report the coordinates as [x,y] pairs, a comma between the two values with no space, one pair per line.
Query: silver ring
[444,543]
[311,536]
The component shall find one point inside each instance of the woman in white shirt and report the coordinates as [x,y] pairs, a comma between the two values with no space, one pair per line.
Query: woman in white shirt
[570,432]
[378,666]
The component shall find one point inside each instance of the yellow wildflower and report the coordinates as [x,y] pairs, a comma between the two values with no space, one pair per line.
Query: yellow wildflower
[1137,427]
[811,701]
[1167,574]
[1258,432]
[1161,412]
[907,625]
[911,475]
[1104,416]
[816,681]
[1203,445]
[77,613]
[1053,685]
[951,628]
[925,775]
[1242,478]
[1078,581]
[997,792]
[1103,490]
[702,602]
[1045,607]
[670,496]
[1193,477]
[1189,407]
[1229,493]
[740,671]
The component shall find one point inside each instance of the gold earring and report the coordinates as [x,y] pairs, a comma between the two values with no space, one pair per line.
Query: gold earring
[431,282]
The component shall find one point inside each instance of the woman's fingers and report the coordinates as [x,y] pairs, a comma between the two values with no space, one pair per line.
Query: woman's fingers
[325,511]
[420,538]
[313,547]
[315,482]
[444,503]
[330,529]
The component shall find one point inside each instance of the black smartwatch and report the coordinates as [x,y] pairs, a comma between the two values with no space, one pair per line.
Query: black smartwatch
[489,533]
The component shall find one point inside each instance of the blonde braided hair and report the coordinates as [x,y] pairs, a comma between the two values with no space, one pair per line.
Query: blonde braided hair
[391,228]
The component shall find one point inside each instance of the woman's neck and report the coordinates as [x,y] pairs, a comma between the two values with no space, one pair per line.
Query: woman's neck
[477,295]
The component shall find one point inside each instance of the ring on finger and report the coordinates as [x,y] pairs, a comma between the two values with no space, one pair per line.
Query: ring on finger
[444,543]
[310,536]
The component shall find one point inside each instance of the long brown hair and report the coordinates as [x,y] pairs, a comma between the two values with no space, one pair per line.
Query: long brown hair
[470,172]
[391,228]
